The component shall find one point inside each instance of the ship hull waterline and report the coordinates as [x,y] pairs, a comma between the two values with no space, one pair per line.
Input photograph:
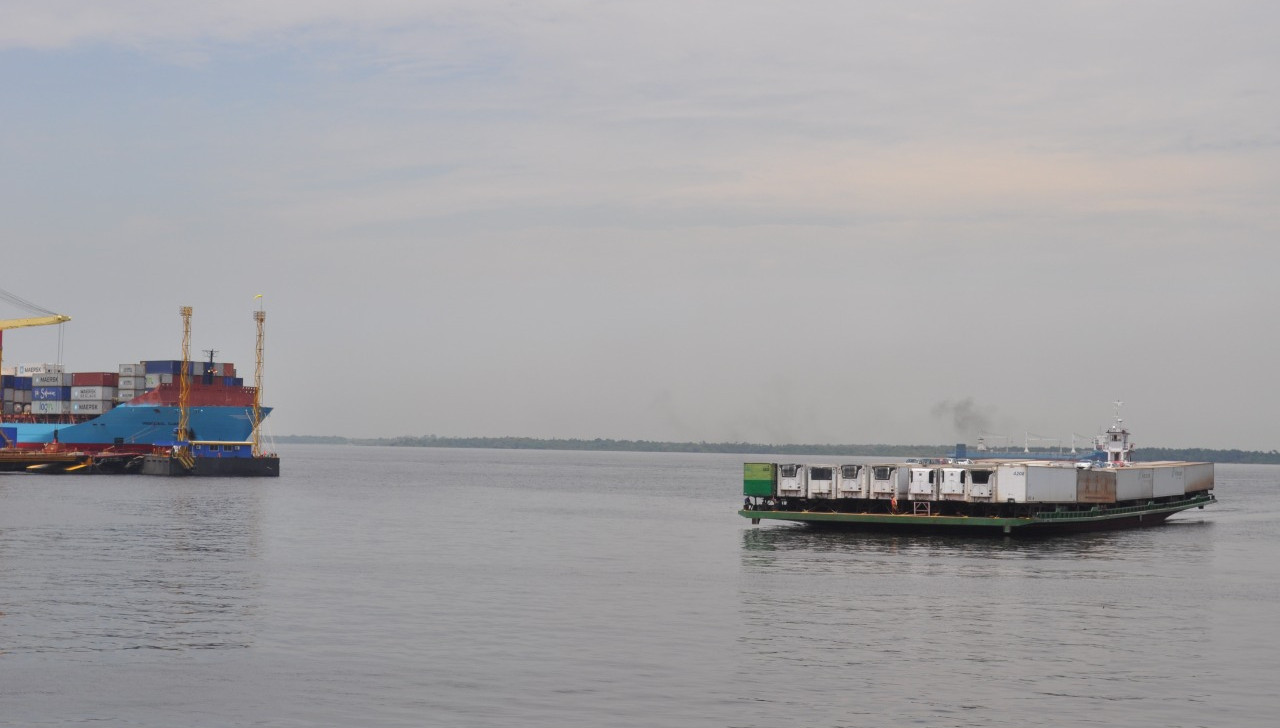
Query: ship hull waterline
[1040,524]
[267,466]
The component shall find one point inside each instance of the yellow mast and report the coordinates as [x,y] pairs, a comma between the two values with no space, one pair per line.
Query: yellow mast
[260,317]
[184,390]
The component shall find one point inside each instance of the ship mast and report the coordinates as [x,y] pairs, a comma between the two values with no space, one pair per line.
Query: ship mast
[260,317]
[184,391]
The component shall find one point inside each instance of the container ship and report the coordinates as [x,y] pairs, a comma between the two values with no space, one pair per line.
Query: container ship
[134,409]
[1008,496]
[159,417]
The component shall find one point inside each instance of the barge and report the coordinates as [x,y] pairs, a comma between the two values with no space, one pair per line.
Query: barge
[211,459]
[1001,496]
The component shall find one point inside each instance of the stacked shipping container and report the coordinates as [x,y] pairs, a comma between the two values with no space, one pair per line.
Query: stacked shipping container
[15,395]
[48,390]
[987,482]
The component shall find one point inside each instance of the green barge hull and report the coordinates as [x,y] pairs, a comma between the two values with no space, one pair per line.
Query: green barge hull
[1033,523]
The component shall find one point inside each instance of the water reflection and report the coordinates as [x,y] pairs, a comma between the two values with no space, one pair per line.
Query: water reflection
[876,613]
[132,564]
[1103,545]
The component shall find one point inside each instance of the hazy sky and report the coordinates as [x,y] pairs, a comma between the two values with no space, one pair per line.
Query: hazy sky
[822,221]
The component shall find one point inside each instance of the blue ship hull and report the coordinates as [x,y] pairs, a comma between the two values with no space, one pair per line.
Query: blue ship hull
[142,425]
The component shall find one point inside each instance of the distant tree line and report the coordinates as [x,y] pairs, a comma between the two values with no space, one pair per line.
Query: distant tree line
[1207,455]
[746,448]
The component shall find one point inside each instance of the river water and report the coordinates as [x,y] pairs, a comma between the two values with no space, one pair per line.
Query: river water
[432,587]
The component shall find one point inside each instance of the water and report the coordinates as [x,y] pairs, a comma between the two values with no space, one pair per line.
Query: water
[424,587]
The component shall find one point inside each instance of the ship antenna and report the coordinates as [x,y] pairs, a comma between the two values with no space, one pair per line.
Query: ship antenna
[207,375]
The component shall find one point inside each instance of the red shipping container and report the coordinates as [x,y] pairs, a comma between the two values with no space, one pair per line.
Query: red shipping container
[95,379]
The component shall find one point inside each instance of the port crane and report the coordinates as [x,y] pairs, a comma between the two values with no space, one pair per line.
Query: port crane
[46,318]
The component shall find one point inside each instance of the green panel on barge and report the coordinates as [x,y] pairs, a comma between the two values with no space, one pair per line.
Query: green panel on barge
[758,479]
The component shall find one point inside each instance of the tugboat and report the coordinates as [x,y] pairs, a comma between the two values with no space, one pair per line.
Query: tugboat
[1004,496]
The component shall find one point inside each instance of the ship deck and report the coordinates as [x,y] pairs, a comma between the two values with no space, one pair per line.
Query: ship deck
[1038,522]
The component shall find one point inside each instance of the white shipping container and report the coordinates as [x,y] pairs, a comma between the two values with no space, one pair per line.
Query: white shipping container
[851,481]
[1198,477]
[51,380]
[23,395]
[791,480]
[920,483]
[951,483]
[888,481]
[1168,481]
[124,395]
[8,394]
[980,485]
[49,407]
[1051,483]
[133,370]
[1135,483]
[133,382]
[822,481]
[30,369]
[155,380]
[93,393]
[8,371]
[91,408]
[1011,483]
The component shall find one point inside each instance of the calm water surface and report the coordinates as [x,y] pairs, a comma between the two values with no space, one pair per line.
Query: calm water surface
[425,587]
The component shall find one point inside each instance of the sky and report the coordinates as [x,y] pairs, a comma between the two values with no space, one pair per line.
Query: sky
[783,222]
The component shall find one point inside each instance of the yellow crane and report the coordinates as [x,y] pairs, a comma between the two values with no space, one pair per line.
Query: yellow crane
[260,317]
[47,319]
[183,435]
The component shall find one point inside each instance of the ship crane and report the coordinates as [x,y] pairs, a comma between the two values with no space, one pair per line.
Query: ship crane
[1033,437]
[183,434]
[983,436]
[1077,437]
[260,318]
[46,318]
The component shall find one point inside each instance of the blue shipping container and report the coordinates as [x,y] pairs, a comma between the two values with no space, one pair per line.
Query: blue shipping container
[23,383]
[174,367]
[52,394]
[6,381]
[166,366]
